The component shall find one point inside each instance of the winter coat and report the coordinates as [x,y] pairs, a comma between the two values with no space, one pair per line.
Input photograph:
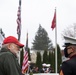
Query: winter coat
[8,63]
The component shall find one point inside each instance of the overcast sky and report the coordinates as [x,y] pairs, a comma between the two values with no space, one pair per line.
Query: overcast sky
[35,12]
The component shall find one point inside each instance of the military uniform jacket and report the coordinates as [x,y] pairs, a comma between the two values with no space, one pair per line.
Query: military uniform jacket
[69,67]
[8,63]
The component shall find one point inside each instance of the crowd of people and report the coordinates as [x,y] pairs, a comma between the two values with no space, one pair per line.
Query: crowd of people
[45,69]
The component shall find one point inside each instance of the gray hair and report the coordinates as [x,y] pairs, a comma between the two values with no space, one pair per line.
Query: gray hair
[4,46]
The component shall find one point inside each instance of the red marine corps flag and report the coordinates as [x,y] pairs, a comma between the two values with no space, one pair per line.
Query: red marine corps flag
[25,59]
[54,21]
[19,20]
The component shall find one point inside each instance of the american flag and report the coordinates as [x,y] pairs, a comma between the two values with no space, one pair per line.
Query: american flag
[25,59]
[19,20]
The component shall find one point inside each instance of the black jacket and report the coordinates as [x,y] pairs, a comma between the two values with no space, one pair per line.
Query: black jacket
[69,67]
[8,63]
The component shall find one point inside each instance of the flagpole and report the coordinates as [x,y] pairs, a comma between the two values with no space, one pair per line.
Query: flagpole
[54,25]
[25,59]
[56,46]
[19,20]
[19,24]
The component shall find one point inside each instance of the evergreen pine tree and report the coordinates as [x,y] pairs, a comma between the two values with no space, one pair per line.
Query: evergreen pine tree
[29,55]
[53,60]
[38,60]
[50,58]
[45,57]
[59,59]
[41,41]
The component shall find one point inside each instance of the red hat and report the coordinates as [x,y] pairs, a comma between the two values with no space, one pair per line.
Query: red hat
[12,39]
